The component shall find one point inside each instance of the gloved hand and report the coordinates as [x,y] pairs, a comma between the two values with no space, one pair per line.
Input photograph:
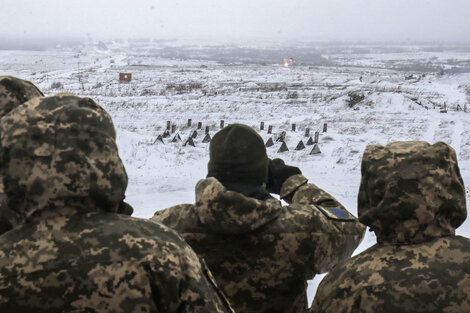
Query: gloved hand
[278,173]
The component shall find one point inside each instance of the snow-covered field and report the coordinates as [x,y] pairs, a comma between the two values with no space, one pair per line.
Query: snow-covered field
[365,94]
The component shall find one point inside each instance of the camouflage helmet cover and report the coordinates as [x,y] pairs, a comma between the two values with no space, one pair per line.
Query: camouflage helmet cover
[60,151]
[15,91]
[411,191]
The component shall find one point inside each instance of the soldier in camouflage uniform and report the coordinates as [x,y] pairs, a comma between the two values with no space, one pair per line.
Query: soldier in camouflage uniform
[412,196]
[262,253]
[13,92]
[70,250]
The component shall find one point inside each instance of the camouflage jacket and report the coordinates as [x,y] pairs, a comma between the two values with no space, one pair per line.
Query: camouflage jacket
[412,196]
[262,253]
[101,262]
[69,249]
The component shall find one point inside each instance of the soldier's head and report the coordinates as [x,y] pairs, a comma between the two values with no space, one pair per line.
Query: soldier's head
[238,155]
[15,91]
[59,152]
[411,190]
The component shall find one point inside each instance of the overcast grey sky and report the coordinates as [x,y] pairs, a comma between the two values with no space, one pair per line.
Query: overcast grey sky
[304,20]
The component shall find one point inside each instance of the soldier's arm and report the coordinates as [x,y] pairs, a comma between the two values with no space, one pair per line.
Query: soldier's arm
[293,187]
[174,216]
[297,189]
[334,231]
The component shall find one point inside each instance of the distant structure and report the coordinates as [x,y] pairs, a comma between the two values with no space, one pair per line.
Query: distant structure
[125,77]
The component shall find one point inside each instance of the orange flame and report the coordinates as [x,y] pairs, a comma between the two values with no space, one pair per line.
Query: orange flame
[288,62]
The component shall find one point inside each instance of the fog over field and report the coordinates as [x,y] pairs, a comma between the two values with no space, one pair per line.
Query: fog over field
[243,20]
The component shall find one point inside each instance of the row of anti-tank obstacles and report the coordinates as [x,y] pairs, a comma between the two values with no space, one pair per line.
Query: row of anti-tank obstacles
[171,129]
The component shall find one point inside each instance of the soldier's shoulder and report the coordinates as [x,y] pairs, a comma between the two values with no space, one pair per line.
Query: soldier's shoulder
[122,233]
[110,230]
[143,226]
[144,240]
[175,210]
[464,242]
[176,216]
[311,217]
[385,258]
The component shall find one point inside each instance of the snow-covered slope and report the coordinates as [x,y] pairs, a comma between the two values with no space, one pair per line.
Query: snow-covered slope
[363,97]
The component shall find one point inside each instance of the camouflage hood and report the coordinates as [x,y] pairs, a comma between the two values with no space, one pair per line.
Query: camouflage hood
[15,91]
[411,191]
[228,212]
[59,156]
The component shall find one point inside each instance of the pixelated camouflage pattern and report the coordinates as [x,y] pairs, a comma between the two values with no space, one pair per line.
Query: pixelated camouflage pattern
[413,197]
[429,277]
[13,92]
[101,262]
[59,148]
[69,251]
[411,191]
[260,252]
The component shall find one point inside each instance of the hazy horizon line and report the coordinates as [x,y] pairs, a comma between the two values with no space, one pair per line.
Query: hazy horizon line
[12,39]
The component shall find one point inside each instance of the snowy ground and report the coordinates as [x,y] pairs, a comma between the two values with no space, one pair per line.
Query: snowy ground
[365,94]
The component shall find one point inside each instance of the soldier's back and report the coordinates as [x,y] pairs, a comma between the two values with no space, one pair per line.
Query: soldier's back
[430,277]
[413,197]
[100,262]
[261,253]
